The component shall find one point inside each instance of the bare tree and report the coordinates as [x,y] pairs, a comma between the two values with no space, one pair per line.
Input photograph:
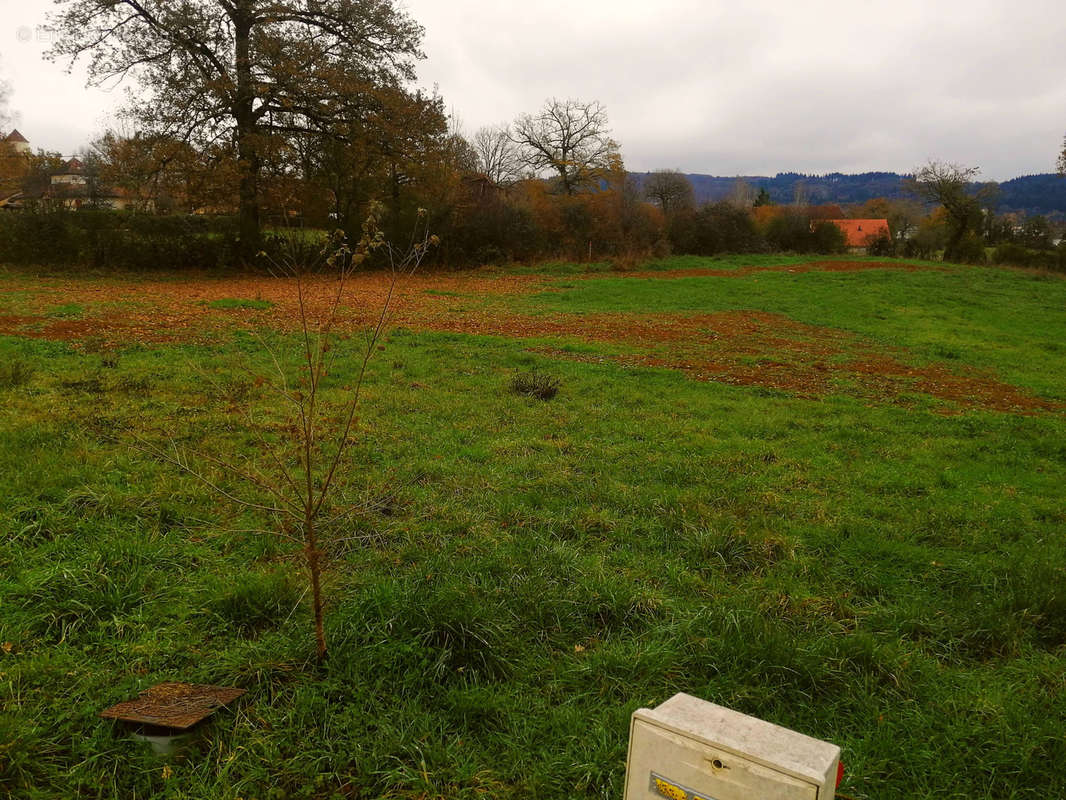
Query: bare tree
[903,216]
[242,69]
[1062,159]
[569,138]
[497,154]
[742,195]
[669,189]
[295,474]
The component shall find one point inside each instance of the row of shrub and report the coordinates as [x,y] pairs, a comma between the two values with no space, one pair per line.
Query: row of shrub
[603,225]
[724,228]
[1019,256]
[531,227]
[102,239]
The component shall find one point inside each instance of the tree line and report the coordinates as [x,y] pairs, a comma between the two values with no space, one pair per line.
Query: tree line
[278,113]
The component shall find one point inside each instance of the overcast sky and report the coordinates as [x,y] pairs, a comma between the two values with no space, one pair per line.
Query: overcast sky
[753,87]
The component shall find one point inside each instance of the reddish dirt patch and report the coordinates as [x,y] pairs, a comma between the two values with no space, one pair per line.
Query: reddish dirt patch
[13,325]
[750,348]
[753,348]
[104,330]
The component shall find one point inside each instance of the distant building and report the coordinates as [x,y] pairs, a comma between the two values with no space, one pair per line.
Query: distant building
[859,234]
[72,174]
[18,142]
[70,187]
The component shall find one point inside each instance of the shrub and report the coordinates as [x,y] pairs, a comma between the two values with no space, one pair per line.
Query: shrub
[970,250]
[792,232]
[535,384]
[117,240]
[1019,256]
[881,246]
[927,241]
[827,238]
[492,232]
[1013,254]
[715,228]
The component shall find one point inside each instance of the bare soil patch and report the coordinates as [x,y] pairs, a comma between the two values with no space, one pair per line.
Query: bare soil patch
[754,348]
[750,348]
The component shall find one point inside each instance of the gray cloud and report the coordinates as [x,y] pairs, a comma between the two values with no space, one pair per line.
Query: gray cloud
[727,88]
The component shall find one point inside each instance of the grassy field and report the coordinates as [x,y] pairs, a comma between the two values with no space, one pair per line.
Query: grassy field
[829,495]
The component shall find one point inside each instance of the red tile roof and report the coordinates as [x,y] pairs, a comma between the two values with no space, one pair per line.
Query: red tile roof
[16,138]
[861,232]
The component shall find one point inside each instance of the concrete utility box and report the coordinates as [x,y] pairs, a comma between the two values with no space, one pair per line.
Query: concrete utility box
[689,749]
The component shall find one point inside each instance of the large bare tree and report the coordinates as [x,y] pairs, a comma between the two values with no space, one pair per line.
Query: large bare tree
[242,69]
[670,189]
[571,139]
[1062,159]
[497,155]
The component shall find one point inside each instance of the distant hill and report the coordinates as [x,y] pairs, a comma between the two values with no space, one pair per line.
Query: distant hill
[1030,194]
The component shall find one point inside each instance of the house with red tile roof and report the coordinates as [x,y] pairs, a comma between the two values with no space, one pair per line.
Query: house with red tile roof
[861,233]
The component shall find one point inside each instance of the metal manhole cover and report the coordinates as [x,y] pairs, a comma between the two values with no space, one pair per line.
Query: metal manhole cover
[174,705]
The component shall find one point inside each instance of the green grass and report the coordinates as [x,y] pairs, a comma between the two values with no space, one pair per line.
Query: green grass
[67,311]
[531,572]
[1006,320]
[723,262]
[231,303]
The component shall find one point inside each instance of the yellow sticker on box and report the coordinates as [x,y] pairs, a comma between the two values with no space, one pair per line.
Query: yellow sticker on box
[664,787]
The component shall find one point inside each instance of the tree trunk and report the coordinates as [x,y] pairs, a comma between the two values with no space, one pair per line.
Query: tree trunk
[247,147]
[314,565]
[248,217]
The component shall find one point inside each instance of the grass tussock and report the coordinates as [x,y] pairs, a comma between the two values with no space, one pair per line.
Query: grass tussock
[15,372]
[536,385]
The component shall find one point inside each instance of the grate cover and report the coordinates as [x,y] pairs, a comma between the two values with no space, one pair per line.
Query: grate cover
[174,705]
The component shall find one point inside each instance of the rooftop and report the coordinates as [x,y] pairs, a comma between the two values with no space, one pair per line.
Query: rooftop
[860,232]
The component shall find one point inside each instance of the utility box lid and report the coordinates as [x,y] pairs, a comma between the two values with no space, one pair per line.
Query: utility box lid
[689,749]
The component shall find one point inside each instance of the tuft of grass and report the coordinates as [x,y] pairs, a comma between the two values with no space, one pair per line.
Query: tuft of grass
[67,311]
[252,602]
[537,385]
[231,303]
[16,371]
[737,553]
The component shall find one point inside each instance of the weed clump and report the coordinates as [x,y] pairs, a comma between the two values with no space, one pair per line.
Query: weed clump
[15,372]
[537,385]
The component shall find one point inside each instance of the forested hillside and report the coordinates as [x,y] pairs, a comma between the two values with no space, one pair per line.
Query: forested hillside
[1030,194]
